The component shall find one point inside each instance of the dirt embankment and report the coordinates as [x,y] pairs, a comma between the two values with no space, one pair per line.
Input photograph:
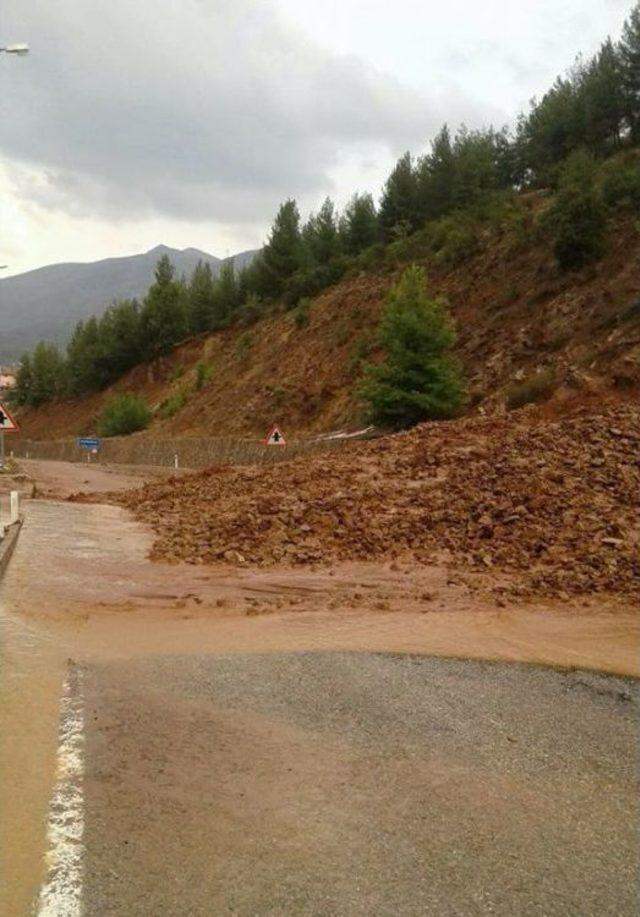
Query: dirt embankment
[544,505]
[516,315]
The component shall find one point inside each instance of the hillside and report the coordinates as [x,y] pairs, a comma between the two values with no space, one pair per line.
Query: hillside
[526,331]
[46,303]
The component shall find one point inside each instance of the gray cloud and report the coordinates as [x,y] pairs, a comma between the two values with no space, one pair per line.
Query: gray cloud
[198,109]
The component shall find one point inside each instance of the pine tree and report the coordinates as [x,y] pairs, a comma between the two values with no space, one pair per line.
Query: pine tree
[24,381]
[201,298]
[476,171]
[226,295]
[435,177]
[83,355]
[604,100]
[121,343]
[399,206]
[47,373]
[359,224]
[553,128]
[629,50]
[578,214]
[164,318]
[419,379]
[281,257]
[320,235]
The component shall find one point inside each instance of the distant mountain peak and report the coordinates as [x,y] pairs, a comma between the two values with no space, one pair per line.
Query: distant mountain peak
[162,250]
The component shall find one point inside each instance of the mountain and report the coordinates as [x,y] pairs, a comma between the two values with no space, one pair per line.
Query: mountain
[45,304]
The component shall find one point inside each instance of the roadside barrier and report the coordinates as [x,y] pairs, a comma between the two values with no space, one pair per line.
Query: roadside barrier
[9,533]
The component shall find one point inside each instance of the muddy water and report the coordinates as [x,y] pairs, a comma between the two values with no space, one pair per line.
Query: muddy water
[80,587]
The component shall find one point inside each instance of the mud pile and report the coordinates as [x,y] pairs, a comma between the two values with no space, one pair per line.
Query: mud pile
[554,502]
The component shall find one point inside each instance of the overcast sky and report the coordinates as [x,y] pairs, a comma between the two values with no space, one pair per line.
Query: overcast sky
[187,122]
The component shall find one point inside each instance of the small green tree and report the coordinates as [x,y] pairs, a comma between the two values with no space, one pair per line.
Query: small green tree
[578,214]
[124,414]
[420,379]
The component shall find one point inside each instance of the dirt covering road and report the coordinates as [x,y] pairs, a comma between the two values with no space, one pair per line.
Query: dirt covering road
[546,506]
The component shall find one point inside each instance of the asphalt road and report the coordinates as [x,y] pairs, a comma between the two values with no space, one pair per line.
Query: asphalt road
[353,784]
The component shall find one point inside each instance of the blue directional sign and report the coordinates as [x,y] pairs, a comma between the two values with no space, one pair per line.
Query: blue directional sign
[89,443]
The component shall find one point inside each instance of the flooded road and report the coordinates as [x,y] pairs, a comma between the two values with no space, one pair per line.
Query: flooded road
[159,662]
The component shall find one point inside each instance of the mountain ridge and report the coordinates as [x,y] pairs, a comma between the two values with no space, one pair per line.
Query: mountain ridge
[46,302]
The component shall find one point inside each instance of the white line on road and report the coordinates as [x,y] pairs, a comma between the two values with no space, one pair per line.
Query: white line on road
[61,894]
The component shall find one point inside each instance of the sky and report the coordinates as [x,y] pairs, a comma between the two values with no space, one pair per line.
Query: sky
[187,122]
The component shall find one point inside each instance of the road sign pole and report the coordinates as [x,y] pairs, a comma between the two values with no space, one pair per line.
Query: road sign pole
[1,448]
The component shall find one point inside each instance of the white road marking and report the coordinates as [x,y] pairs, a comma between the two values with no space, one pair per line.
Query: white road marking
[61,894]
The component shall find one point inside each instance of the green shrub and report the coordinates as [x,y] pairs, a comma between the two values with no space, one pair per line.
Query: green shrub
[204,372]
[252,310]
[243,345]
[363,349]
[420,379]
[534,390]
[279,394]
[300,315]
[176,373]
[453,239]
[170,406]
[621,186]
[124,414]
[342,334]
[372,258]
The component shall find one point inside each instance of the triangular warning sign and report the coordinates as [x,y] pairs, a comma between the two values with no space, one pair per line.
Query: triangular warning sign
[7,423]
[275,438]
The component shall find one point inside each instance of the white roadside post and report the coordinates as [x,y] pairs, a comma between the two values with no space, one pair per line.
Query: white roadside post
[15,507]
[175,460]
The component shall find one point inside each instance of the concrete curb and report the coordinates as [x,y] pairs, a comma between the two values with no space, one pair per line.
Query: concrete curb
[8,544]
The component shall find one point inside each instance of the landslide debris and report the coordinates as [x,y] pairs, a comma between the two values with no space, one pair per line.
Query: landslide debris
[556,503]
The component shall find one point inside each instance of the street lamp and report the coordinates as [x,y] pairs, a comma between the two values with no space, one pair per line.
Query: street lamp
[20,49]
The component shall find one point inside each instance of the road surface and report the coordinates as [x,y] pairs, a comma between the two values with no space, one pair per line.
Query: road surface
[174,744]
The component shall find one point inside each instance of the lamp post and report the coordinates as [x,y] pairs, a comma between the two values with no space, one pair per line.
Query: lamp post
[19,49]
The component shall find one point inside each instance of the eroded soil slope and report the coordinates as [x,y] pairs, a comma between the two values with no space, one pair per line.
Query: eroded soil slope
[516,315]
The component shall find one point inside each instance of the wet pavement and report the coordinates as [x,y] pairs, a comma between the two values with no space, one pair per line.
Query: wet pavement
[218,762]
